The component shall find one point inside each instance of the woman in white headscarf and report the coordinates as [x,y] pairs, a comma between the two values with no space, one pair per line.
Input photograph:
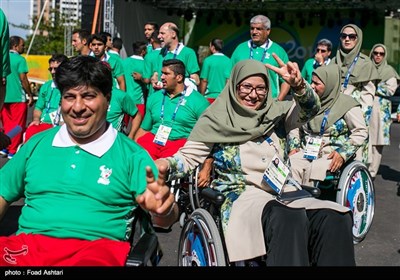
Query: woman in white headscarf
[379,134]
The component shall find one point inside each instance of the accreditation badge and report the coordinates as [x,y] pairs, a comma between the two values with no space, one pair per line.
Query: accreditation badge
[276,173]
[313,147]
[162,135]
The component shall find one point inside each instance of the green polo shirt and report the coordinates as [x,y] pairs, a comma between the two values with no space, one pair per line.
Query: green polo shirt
[135,89]
[86,192]
[216,70]
[14,91]
[243,51]
[48,100]
[192,106]
[150,66]
[5,46]
[183,53]
[121,103]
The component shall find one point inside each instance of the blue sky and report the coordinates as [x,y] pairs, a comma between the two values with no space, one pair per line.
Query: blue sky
[17,12]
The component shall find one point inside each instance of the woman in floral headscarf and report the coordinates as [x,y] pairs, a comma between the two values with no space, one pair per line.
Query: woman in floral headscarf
[379,134]
[243,131]
[359,77]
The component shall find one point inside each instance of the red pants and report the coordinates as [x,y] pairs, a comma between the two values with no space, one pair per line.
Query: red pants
[40,250]
[157,151]
[33,129]
[13,114]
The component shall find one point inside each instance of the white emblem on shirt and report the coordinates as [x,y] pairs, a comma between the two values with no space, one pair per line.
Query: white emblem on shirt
[104,175]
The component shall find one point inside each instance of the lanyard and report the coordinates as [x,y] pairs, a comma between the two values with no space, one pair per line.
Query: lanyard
[48,102]
[346,80]
[175,51]
[264,52]
[176,108]
[271,143]
[324,122]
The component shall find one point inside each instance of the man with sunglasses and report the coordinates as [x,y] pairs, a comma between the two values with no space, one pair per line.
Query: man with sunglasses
[322,57]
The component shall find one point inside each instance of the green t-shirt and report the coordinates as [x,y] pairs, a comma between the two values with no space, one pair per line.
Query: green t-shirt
[121,103]
[150,66]
[116,67]
[14,90]
[183,53]
[216,70]
[263,54]
[48,101]
[134,88]
[4,46]
[86,192]
[192,106]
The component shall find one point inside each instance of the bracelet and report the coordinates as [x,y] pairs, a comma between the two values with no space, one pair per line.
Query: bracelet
[165,215]
[300,87]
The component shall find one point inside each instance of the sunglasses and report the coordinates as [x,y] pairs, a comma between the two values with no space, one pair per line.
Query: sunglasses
[321,50]
[380,53]
[352,37]
[52,68]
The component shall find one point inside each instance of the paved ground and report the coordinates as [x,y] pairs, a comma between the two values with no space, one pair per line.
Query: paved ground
[381,247]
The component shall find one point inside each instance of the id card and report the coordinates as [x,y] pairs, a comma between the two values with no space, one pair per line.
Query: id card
[162,135]
[312,148]
[276,173]
[56,118]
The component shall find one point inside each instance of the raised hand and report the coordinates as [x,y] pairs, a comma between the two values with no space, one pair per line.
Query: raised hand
[290,72]
[157,198]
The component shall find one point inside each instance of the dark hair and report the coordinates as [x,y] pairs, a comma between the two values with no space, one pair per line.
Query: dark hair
[138,47]
[83,34]
[218,44]
[14,41]
[106,33]
[175,65]
[154,37]
[60,58]
[99,37]
[325,42]
[117,43]
[84,70]
[152,23]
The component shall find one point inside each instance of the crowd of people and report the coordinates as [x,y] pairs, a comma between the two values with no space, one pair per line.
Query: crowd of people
[111,132]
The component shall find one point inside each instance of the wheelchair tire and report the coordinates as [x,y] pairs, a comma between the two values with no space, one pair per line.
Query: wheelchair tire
[356,191]
[200,242]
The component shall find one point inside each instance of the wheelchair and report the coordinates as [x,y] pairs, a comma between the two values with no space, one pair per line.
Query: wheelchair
[200,242]
[352,186]
[145,249]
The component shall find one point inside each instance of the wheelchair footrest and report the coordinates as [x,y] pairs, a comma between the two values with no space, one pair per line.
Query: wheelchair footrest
[146,249]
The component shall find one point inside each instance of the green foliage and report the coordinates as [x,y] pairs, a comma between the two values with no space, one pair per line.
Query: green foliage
[50,37]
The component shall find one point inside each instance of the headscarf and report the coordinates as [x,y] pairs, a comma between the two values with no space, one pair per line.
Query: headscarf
[227,121]
[332,98]
[385,71]
[363,70]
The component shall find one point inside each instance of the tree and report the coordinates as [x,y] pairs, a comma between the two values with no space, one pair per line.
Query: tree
[50,37]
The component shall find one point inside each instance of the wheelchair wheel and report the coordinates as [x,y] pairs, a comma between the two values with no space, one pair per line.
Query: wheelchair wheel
[200,242]
[356,191]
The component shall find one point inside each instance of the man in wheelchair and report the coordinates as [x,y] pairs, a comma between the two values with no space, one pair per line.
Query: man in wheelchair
[82,181]
[242,131]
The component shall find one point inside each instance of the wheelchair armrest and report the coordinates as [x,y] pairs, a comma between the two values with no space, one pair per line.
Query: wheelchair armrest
[213,196]
[145,250]
[315,192]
